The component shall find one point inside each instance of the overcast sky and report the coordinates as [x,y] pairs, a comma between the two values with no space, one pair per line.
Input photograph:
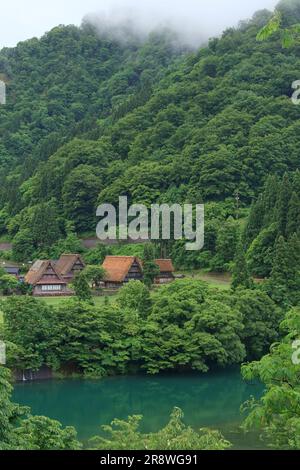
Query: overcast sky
[23,19]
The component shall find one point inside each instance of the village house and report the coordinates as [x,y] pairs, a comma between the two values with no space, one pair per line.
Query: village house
[46,280]
[51,278]
[166,269]
[11,269]
[122,269]
[68,266]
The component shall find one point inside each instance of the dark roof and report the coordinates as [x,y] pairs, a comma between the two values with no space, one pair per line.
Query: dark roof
[11,269]
[66,262]
[38,270]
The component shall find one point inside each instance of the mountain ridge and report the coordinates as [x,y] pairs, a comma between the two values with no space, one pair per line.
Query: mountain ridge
[163,126]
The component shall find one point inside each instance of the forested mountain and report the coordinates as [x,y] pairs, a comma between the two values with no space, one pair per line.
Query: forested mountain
[58,87]
[89,119]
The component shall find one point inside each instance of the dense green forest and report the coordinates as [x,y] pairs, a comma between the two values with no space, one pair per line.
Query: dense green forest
[183,326]
[89,119]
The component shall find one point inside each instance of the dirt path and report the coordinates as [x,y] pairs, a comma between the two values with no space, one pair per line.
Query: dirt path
[217,278]
[93,242]
[5,246]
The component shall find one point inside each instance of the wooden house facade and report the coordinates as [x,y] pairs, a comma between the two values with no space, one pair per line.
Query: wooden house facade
[46,280]
[166,269]
[12,270]
[122,269]
[68,266]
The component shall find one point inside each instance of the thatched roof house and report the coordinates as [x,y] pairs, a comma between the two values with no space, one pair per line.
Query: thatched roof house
[69,265]
[122,269]
[46,280]
[166,271]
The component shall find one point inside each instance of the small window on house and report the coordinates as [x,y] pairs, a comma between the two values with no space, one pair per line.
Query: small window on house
[49,288]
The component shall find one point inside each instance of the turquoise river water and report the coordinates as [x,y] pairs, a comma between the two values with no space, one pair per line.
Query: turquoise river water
[208,400]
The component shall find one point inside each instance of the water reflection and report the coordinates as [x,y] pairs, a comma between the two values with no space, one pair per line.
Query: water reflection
[207,400]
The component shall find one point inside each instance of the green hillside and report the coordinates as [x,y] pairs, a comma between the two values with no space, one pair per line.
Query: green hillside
[89,119]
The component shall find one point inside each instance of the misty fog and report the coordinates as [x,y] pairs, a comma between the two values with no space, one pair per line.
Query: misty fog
[194,20]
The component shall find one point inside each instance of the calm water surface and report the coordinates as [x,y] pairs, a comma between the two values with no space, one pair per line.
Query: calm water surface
[208,400]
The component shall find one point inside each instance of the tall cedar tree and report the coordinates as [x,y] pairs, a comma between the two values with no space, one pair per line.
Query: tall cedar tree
[293,218]
[82,288]
[284,283]
[150,268]
[284,198]
[240,275]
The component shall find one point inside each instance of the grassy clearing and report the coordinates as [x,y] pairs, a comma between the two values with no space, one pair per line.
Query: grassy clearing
[58,300]
[54,301]
[214,280]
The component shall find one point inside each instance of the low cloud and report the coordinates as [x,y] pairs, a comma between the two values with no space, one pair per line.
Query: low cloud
[194,21]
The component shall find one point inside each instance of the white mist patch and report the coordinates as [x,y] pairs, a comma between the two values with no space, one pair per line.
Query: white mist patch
[194,21]
[124,23]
